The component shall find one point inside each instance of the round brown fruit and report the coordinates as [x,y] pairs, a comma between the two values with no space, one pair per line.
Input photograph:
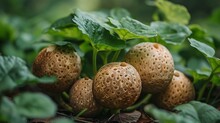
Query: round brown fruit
[154,63]
[179,91]
[59,61]
[117,85]
[81,97]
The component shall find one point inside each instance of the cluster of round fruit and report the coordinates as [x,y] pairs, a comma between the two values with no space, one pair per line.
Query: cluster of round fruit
[147,68]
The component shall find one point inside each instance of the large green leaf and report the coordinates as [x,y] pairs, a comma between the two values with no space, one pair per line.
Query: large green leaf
[35,105]
[65,28]
[168,117]
[171,32]
[14,72]
[199,69]
[202,47]
[173,12]
[215,64]
[216,79]
[202,111]
[99,37]
[201,34]
[188,112]
[118,13]
[9,112]
[128,28]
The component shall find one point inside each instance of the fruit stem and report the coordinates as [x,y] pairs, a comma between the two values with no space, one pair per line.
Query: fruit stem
[94,59]
[143,101]
[62,103]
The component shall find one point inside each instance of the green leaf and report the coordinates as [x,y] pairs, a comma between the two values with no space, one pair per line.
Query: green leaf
[198,74]
[14,72]
[62,120]
[65,28]
[118,13]
[172,33]
[215,64]
[173,12]
[99,37]
[202,47]
[199,69]
[216,79]
[35,105]
[128,28]
[202,111]
[188,111]
[164,116]
[9,112]
[7,32]
[201,34]
[199,64]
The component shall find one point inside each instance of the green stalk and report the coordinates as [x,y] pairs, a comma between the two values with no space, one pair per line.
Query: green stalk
[94,59]
[65,95]
[81,112]
[156,39]
[115,57]
[202,90]
[60,101]
[104,57]
[209,94]
[143,101]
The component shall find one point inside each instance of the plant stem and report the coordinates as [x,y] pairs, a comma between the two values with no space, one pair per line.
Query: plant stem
[94,59]
[202,90]
[156,39]
[65,95]
[81,112]
[105,57]
[143,101]
[209,94]
[60,101]
[115,57]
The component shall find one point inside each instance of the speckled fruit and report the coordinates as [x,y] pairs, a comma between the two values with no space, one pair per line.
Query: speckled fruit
[117,85]
[61,62]
[179,91]
[81,97]
[154,63]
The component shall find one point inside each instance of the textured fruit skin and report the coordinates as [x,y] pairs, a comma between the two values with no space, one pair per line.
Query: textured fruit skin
[179,91]
[81,97]
[117,85]
[61,62]
[154,63]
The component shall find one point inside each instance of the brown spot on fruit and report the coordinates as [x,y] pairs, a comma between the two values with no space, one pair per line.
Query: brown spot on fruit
[115,91]
[154,64]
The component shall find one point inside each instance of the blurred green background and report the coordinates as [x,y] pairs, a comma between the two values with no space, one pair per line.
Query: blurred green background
[53,9]
[23,21]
